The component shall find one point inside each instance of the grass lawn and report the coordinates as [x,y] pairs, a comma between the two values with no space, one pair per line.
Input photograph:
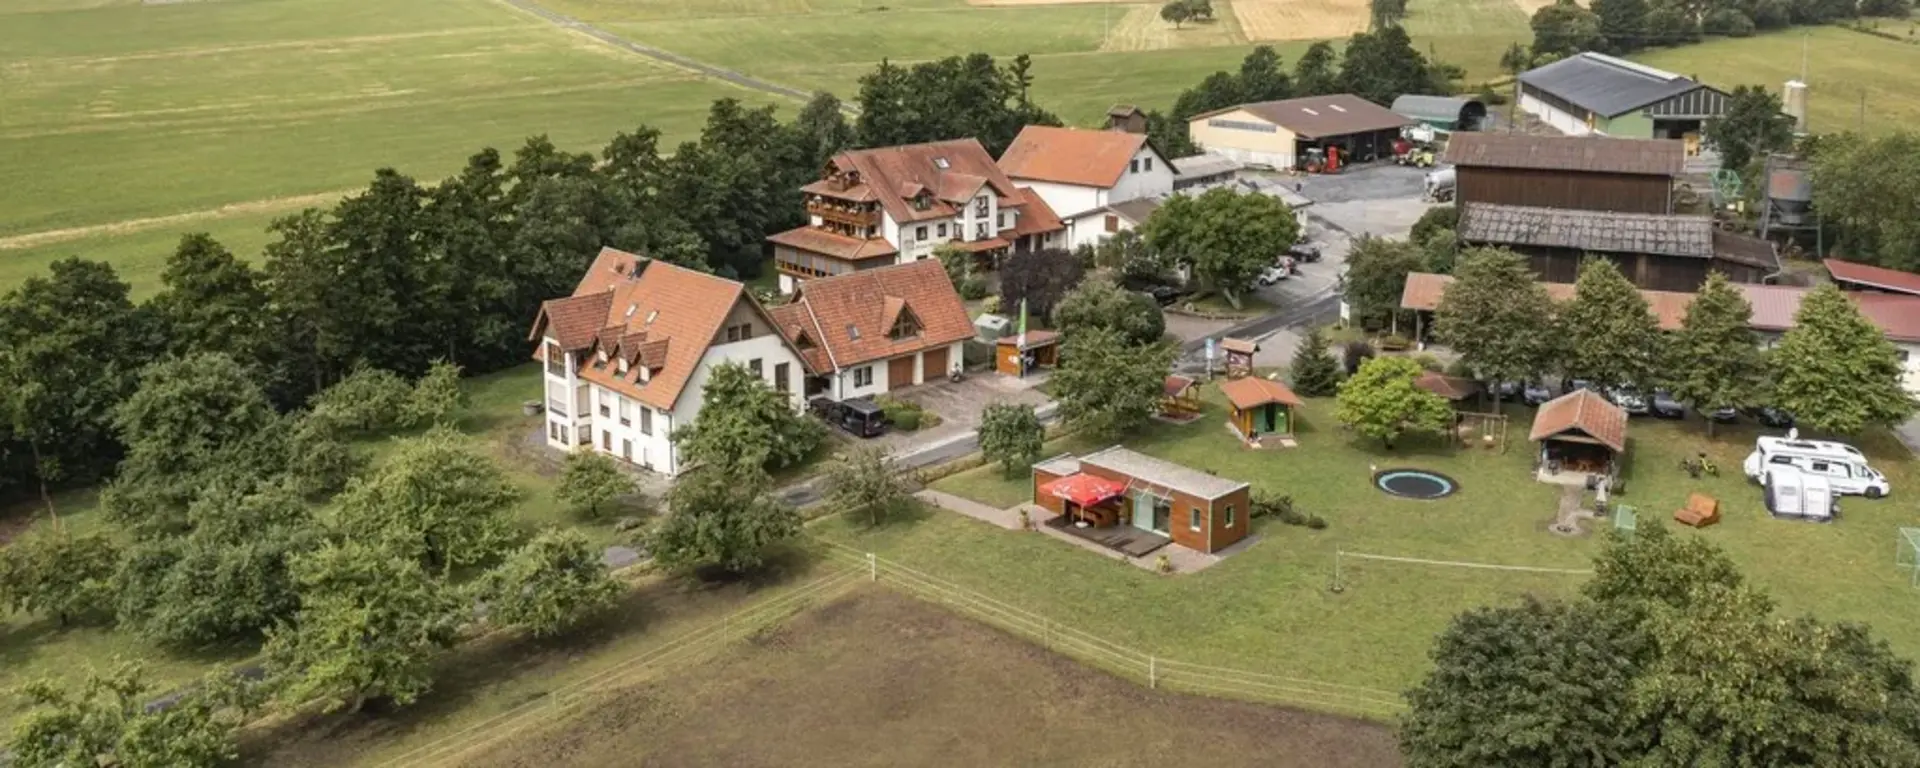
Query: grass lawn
[1268,608]
[1844,67]
[129,111]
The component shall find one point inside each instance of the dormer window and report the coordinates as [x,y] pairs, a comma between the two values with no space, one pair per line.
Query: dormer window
[623,366]
[922,202]
[600,357]
[803,341]
[980,206]
[904,328]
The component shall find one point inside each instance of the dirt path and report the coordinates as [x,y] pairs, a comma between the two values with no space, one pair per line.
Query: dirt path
[879,678]
[51,236]
[571,24]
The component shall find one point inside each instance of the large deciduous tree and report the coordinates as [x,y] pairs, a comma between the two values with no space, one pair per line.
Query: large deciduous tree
[1715,359]
[211,301]
[1867,187]
[1564,29]
[1381,401]
[864,481]
[1835,371]
[1012,436]
[722,515]
[366,401]
[1260,78]
[437,499]
[1493,313]
[193,422]
[951,98]
[1382,65]
[1377,270]
[1751,126]
[58,573]
[1623,24]
[1039,278]
[1108,386]
[107,720]
[370,624]
[1227,236]
[1317,71]
[744,422]
[1098,302]
[1610,334]
[61,409]
[548,585]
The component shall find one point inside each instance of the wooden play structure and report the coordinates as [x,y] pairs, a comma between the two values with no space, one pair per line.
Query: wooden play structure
[1019,355]
[1179,398]
[1582,437]
[1701,511]
[1262,408]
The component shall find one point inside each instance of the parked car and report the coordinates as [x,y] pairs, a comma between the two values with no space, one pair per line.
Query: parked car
[1629,399]
[1506,390]
[1725,414]
[1536,393]
[1664,405]
[1304,251]
[860,417]
[1274,274]
[1776,418]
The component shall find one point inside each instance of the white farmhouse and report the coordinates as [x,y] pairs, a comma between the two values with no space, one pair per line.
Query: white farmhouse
[627,356]
[1081,173]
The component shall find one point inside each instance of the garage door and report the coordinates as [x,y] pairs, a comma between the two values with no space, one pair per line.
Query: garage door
[900,372]
[934,362]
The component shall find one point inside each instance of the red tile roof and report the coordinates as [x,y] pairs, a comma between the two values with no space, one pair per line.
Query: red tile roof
[658,316]
[1253,391]
[1423,291]
[1036,217]
[1449,387]
[846,318]
[1586,411]
[833,244]
[1873,277]
[952,170]
[1175,385]
[1076,156]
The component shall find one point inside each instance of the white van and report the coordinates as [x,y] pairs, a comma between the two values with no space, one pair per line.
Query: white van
[1841,465]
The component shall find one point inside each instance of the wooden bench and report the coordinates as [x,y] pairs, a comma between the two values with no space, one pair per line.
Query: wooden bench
[1701,511]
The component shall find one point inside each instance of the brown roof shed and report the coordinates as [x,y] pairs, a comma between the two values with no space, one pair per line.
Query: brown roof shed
[1592,154]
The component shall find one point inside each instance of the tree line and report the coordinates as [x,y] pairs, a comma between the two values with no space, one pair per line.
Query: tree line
[1625,26]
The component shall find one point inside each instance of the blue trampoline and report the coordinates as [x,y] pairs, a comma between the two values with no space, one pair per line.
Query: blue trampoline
[1414,483]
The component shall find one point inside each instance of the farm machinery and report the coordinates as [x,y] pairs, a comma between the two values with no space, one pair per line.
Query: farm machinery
[1415,146]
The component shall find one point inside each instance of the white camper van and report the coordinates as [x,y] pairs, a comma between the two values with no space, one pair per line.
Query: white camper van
[1841,465]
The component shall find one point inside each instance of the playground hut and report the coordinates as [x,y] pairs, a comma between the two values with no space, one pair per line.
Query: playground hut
[1135,504]
[1021,354]
[1453,389]
[1179,398]
[1580,435]
[1239,354]
[1261,408]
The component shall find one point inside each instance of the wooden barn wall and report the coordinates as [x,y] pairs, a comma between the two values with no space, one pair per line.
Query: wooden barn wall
[1565,189]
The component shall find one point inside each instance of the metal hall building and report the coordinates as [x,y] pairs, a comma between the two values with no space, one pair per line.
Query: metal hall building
[1277,134]
[1593,93]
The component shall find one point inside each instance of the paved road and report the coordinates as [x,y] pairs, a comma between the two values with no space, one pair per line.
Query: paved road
[913,457]
[568,22]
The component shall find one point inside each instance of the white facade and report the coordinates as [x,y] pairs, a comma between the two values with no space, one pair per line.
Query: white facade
[1910,354]
[1148,175]
[1561,120]
[616,424]
[870,379]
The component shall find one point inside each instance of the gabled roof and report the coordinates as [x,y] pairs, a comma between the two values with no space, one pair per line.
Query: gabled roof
[1452,388]
[1871,276]
[1075,156]
[1586,154]
[1035,216]
[1317,117]
[839,246]
[1605,85]
[847,317]
[1175,385]
[659,317]
[1584,411]
[1253,392]
[1424,289]
[1601,231]
[951,171]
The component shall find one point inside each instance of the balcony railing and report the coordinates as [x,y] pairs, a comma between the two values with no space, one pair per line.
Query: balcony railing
[845,214]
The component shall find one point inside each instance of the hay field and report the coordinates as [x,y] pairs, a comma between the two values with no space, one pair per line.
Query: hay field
[1846,69]
[1141,29]
[1301,19]
[121,118]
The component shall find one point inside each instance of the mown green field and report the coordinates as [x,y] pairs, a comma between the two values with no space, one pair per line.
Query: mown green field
[1269,608]
[1845,70]
[117,112]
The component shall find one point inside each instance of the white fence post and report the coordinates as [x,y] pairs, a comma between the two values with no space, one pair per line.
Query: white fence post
[873,568]
[1153,672]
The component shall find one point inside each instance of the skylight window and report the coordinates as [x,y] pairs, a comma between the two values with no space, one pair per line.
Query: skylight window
[853,332]
[1309,110]
[651,315]
[941,163]
[1336,108]
[632,308]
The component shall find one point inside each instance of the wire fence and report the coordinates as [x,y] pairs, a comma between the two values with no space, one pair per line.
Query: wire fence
[566,700]
[1153,670]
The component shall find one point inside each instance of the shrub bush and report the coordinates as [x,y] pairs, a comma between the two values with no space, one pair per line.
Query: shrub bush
[1316,522]
[1394,343]
[1459,369]
[904,415]
[990,305]
[1292,516]
[1354,353]
[1429,363]
[1727,22]
[973,288]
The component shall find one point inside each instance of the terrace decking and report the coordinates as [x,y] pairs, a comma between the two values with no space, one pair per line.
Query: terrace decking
[1125,539]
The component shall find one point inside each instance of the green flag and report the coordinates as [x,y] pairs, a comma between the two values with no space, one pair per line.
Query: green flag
[1021,342]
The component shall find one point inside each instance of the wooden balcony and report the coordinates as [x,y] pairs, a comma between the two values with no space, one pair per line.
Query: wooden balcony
[844,214]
